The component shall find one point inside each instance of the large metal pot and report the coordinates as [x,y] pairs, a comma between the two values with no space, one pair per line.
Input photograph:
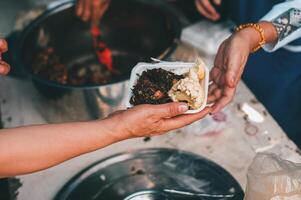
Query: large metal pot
[153,174]
[135,30]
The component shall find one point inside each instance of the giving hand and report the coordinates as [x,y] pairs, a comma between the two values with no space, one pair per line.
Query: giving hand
[148,120]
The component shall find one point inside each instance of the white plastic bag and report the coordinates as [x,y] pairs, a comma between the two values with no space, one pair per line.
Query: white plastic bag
[272,178]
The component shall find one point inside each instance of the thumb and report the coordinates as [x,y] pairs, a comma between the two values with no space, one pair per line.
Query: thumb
[171,109]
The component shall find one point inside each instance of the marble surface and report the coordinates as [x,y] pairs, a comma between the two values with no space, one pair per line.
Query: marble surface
[222,138]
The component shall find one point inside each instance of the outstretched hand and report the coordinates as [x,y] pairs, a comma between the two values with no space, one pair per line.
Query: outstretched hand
[228,67]
[4,67]
[230,62]
[148,120]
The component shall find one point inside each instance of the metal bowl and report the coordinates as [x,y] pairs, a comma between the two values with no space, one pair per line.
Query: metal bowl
[148,174]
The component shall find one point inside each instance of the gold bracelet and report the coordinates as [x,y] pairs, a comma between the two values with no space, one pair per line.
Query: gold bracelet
[258,28]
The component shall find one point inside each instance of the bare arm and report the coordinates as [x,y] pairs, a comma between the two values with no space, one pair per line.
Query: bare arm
[29,149]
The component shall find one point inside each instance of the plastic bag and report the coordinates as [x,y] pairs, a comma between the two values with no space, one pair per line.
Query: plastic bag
[271,178]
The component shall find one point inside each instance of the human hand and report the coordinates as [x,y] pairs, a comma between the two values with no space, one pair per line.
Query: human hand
[228,67]
[206,8]
[148,120]
[92,10]
[4,67]
[230,62]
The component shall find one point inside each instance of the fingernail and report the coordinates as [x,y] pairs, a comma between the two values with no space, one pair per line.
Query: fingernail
[183,108]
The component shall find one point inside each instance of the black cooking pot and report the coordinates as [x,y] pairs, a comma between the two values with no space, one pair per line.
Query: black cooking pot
[134,30]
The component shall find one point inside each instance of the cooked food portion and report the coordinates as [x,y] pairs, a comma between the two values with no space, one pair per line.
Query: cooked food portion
[152,87]
[190,89]
[158,86]
[50,66]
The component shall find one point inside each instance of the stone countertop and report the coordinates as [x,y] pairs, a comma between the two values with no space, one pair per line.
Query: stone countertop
[229,138]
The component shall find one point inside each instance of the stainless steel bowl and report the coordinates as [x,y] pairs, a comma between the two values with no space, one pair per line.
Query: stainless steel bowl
[152,174]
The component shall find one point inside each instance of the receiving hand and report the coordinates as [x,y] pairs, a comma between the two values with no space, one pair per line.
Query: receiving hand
[206,8]
[228,68]
[4,67]
[91,10]
[230,62]
[148,120]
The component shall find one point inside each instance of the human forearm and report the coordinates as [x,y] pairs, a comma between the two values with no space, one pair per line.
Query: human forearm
[286,18]
[252,37]
[29,149]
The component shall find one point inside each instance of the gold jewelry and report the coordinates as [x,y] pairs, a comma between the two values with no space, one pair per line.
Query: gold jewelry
[258,28]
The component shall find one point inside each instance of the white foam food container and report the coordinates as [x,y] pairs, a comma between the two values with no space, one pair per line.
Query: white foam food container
[175,67]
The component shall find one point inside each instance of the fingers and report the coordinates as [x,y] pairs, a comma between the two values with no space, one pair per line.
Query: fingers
[87,10]
[226,98]
[235,67]
[184,120]
[219,58]
[215,93]
[4,68]
[233,70]
[96,9]
[91,9]
[215,75]
[207,10]
[202,10]
[170,110]
[211,98]
[80,8]
[3,46]
[104,8]
[99,9]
